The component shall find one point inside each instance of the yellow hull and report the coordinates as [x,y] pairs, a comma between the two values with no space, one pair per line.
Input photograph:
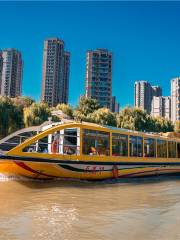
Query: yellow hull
[37,170]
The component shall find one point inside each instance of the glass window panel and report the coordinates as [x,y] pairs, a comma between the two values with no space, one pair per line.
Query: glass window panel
[178,149]
[66,141]
[171,149]
[135,144]
[119,144]
[139,146]
[161,148]
[96,142]
[149,147]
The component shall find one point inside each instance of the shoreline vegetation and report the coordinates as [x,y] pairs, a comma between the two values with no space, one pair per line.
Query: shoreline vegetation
[20,112]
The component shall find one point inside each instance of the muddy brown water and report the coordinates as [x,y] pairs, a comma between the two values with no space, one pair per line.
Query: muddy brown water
[74,210]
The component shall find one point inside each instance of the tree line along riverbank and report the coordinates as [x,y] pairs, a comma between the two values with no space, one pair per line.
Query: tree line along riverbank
[20,112]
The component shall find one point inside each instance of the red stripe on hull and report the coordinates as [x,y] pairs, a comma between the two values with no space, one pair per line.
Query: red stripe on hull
[24,166]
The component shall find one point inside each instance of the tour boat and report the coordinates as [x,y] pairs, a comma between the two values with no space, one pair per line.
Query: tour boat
[79,150]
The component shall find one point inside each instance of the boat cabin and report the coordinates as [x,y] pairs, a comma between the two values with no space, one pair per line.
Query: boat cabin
[86,139]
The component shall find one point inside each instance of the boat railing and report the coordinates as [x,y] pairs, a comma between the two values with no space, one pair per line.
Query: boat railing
[51,148]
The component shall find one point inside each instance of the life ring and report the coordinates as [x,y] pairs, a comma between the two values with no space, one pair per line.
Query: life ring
[115,171]
[54,146]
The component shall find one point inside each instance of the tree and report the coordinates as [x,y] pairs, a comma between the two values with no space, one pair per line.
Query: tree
[85,108]
[177,126]
[66,109]
[11,117]
[23,101]
[36,114]
[104,116]
[139,120]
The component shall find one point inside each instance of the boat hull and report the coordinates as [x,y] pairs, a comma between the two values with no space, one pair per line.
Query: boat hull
[87,170]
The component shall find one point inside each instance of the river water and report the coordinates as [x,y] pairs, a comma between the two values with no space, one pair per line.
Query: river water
[140,209]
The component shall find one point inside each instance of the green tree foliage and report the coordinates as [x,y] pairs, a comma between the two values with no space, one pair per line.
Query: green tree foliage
[66,109]
[23,101]
[177,126]
[11,117]
[137,119]
[36,114]
[85,108]
[15,113]
[103,116]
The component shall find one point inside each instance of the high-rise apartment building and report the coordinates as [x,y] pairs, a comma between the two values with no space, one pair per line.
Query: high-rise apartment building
[143,94]
[1,66]
[55,72]
[11,67]
[115,105]
[156,91]
[161,107]
[99,76]
[66,77]
[175,99]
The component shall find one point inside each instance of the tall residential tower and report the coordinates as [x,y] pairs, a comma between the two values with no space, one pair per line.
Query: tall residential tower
[99,76]
[11,68]
[1,67]
[144,93]
[55,80]
[66,73]
[175,99]
[161,107]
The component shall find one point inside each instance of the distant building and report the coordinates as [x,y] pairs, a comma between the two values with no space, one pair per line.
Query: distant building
[11,67]
[115,105]
[143,94]
[1,67]
[99,76]
[55,82]
[161,107]
[175,99]
[65,96]
[156,91]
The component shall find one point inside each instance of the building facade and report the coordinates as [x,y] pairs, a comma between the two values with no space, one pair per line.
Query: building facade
[11,66]
[55,72]
[144,93]
[66,72]
[98,84]
[161,107]
[1,67]
[175,99]
[115,105]
[156,91]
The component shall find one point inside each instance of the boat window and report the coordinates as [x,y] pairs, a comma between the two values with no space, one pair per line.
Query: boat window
[119,144]
[171,149]
[178,149]
[66,141]
[71,141]
[135,144]
[15,140]
[161,148]
[40,146]
[149,147]
[96,142]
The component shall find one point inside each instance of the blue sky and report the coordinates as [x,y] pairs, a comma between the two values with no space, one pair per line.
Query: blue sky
[143,36]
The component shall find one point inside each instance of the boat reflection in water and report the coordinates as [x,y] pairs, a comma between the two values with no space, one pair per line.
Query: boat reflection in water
[93,152]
